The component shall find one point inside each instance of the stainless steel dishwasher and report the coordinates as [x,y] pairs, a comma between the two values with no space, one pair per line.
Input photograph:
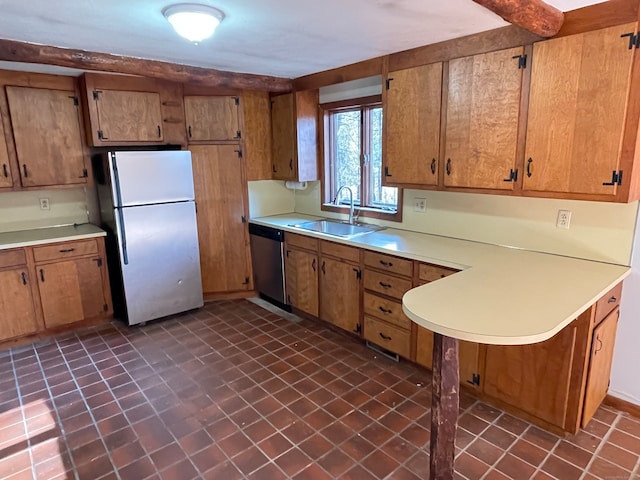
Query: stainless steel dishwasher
[267,257]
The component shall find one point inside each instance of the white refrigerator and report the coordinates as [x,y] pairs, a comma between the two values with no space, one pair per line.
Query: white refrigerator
[148,209]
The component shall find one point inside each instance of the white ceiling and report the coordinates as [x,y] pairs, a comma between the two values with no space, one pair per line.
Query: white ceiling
[285,38]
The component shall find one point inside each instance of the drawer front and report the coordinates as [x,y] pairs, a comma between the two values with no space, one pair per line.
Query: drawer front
[65,250]
[301,241]
[607,303]
[431,273]
[387,310]
[341,251]
[12,258]
[396,265]
[386,284]
[387,336]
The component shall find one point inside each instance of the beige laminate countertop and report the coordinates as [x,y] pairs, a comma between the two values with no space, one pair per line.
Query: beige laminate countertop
[502,296]
[39,236]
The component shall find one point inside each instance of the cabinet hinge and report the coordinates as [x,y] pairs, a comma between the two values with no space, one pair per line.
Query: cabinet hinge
[100,135]
[85,173]
[634,39]
[244,219]
[238,134]
[522,60]
[239,152]
[105,307]
[288,253]
[76,102]
[358,273]
[96,95]
[358,329]
[236,100]
[475,379]
[386,172]
[388,83]
[616,178]
[246,281]
[288,299]
[513,175]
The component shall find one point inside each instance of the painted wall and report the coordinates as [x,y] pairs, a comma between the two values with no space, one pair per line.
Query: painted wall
[269,197]
[625,381]
[599,231]
[21,210]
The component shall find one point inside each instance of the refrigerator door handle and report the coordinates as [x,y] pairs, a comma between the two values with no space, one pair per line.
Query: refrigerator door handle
[116,181]
[123,236]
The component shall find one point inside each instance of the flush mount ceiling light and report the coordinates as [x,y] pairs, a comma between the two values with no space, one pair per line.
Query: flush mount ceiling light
[193,21]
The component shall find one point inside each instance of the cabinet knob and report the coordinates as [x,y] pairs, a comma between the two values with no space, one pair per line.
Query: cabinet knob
[613,300]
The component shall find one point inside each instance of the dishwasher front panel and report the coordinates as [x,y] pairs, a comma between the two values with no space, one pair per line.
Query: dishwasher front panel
[267,257]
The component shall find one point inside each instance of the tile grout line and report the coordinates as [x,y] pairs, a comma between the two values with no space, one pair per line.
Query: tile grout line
[603,442]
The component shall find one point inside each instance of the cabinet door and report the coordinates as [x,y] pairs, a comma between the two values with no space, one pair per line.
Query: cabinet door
[218,177]
[128,116]
[17,315]
[483,106]
[534,378]
[604,337]
[71,290]
[412,121]
[577,107]
[6,180]
[340,294]
[302,280]
[256,112]
[468,356]
[283,137]
[211,118]
[47,135]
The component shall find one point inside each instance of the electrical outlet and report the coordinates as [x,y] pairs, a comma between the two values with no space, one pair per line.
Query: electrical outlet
[420,205]
[44,204]
[564,219]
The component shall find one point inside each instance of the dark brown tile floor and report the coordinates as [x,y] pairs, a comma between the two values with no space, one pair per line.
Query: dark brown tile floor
[234,391]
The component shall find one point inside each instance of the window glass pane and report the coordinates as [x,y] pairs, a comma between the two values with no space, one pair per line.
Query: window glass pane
[380,196]
[346,129]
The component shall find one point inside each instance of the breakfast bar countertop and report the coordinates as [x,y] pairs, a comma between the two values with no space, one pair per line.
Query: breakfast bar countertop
[40,236]
[502,295]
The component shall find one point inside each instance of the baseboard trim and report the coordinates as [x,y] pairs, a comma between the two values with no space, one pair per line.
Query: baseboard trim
[622,405]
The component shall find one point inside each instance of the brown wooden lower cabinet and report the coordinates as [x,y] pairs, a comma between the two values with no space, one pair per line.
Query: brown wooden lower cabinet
[557,384]
[52,285]
[17,312]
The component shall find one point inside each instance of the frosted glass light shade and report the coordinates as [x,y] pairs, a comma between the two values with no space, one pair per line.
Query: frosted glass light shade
[192,21]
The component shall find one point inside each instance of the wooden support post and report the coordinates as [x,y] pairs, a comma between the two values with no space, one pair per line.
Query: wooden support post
[444,407]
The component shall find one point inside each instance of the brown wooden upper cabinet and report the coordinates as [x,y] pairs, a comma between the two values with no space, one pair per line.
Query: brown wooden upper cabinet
[212,118]
[294,122]
[121,110]
[256,134]
[47,134]
[577,107]
[483,107]
[6,179]
[125,116]
[412,104]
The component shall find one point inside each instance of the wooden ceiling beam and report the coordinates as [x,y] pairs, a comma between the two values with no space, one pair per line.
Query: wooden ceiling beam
[534,15]
[14,51]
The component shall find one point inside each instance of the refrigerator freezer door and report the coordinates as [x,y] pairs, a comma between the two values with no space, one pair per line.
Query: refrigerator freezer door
[161,275]
[145,177]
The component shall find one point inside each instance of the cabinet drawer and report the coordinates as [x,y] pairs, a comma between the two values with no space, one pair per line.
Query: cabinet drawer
[387,310]
[607,303]
[65,250]
[430,273]
[301,241]
[396,265]
[341,251]
[11,258]
[386,284]
[387,336]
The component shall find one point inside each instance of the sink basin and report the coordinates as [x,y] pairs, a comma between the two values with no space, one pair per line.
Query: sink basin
[337,228]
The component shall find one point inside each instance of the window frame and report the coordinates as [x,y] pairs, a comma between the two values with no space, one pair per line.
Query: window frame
[327,169]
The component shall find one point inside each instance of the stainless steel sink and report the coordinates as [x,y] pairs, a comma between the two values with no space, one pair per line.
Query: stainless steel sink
[338,228]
